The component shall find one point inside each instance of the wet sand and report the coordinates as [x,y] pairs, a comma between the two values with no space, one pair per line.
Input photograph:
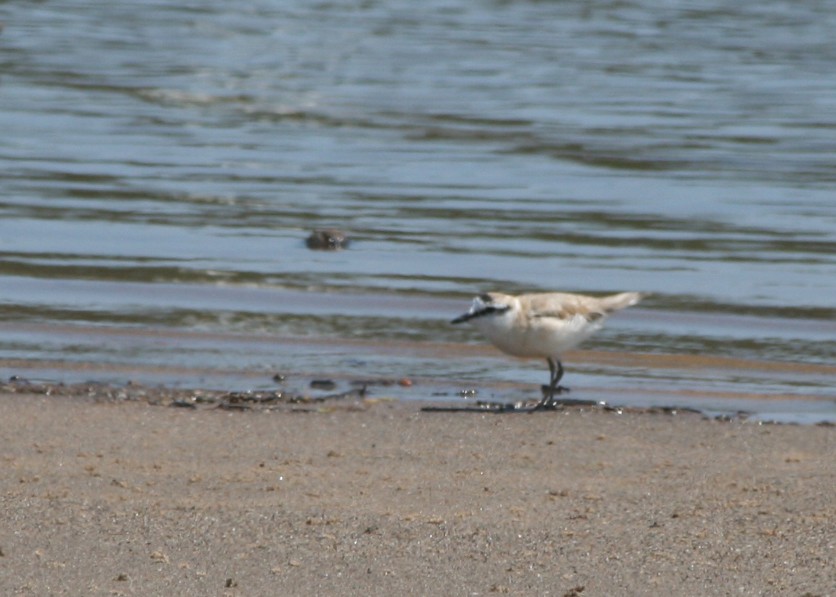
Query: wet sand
[114,497]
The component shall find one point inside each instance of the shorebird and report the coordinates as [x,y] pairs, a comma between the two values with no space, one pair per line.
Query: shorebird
[543,325]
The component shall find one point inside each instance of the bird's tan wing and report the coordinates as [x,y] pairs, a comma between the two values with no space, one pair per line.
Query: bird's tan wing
[563,306]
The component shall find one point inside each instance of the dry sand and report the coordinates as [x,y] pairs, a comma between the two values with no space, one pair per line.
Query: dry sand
[126,498]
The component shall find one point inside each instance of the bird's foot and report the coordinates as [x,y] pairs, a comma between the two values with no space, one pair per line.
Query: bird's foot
[547,403]
[543,405]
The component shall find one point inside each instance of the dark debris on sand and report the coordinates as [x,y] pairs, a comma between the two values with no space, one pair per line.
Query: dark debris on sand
[246,400]
[317,396]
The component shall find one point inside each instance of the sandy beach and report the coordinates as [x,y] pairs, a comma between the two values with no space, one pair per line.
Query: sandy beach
[110,497]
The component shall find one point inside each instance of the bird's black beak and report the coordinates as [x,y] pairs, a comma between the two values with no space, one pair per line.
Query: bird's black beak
[464,317]
[480,311]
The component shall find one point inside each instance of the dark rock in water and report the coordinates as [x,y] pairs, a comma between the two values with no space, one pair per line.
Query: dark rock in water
[327,239]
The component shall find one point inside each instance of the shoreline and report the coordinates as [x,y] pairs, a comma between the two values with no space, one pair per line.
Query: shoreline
[114,496]
[453,372]
[259,390]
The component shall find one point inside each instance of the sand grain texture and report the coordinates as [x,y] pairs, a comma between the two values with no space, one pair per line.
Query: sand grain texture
[133,499]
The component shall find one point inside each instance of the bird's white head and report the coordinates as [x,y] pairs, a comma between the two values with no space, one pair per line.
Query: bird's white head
[488,306]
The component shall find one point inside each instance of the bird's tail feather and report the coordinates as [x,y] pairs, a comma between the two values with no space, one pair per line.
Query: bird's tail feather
[616,302]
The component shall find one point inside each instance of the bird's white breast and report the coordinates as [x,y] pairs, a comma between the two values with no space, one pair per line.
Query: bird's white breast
[521,335]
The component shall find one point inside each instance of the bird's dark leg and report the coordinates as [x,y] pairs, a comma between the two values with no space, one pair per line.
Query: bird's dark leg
[555,373]
[549,391]
[558,389]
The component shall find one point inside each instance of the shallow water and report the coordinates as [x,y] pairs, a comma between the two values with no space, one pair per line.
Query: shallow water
[163,163]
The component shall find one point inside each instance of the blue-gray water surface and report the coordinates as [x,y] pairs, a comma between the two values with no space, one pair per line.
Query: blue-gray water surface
[162,163]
